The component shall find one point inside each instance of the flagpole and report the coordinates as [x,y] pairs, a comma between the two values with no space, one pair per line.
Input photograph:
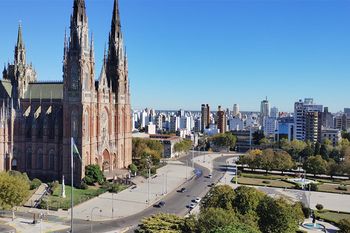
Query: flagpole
[71,194]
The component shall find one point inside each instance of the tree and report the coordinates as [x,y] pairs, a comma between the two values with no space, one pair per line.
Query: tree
[296,146]
[277,216]
[315,165]
[258,136]
[307,152]
[266,160]
[133,168]
[283,161]
[247,199]
[183,146]
[166,223]
[13,190]
[214,218]
[317,148]
[236,228]
[324,152]
[223,140]
[250,158]
[221,196]
[344,226]
[93,174]
[332,168]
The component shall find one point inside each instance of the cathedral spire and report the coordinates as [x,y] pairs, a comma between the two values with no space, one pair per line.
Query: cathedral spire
[20,43]
[115,32]
[115,46]
[79,26]
[20,52]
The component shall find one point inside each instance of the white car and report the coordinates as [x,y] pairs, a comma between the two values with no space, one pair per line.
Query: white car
[210,176]
[192,205]
[197,200]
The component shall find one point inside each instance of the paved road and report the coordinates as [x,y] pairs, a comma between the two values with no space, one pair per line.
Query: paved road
[175,202]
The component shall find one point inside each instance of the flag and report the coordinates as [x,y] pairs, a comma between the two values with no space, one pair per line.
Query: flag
[75,151]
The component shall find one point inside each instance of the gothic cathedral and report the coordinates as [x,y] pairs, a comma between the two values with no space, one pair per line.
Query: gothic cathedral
[38,118]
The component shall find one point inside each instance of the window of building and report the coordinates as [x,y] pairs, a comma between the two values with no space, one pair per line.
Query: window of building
[39,159]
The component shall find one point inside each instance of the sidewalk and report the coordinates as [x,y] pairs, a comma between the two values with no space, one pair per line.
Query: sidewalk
[134,200]
[25,226]
[35,198]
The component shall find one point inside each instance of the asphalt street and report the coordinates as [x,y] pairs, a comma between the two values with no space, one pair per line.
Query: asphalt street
[175,202]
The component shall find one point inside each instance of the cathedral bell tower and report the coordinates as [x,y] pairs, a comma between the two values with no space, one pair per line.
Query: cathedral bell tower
[78,84]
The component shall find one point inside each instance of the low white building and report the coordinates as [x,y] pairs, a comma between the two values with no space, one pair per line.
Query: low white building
[333,135]
[235,123]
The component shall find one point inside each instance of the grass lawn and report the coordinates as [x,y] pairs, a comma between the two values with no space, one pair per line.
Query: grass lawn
[332,216]
[332,188]
[264,176]
[55,201]
[264,182]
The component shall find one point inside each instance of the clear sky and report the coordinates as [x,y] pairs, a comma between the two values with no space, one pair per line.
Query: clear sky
[183,53]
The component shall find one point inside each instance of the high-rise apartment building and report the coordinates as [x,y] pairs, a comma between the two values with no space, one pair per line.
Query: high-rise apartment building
[235,111]
[222,122]
[264,110]
[205,117]
[308,120]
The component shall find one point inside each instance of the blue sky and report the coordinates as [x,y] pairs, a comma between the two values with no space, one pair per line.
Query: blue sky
[183,53]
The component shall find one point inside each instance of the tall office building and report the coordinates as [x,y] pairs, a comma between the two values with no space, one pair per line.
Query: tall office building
[308,120]
[205,117]
[222,122]
[264,111]
[274,112]
[235,111]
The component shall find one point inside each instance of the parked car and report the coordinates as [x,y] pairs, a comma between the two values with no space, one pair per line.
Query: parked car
[160,204]
[182,190]
[211,185]
[192,205]
[210,176]
[197,200]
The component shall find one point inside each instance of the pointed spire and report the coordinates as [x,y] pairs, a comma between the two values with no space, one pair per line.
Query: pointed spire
[115,21]
[20,43]
[20,54]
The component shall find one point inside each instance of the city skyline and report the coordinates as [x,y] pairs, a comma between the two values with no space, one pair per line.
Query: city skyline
[228,52]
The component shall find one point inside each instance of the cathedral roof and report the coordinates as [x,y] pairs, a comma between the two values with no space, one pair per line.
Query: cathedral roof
[49,90]
[5,89]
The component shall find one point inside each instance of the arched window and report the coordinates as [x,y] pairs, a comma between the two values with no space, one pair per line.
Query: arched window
[74,125]
[52,160]
[29,158]
[14,164]
[28,127]
[39,159]
[51,127]
[86,125]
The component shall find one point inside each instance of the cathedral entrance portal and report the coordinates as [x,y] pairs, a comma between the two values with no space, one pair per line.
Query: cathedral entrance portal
[106,161]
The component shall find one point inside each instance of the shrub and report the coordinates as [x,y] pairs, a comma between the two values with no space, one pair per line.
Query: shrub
[312,187]
[344,226]
[93,174]
[116,188]
[319,207]
[34,184]
[306,210]
[342,187]
[83,185]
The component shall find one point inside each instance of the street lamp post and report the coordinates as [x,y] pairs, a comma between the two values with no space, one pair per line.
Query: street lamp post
[112,205]
[166,182]
[91,224]
[186,169]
